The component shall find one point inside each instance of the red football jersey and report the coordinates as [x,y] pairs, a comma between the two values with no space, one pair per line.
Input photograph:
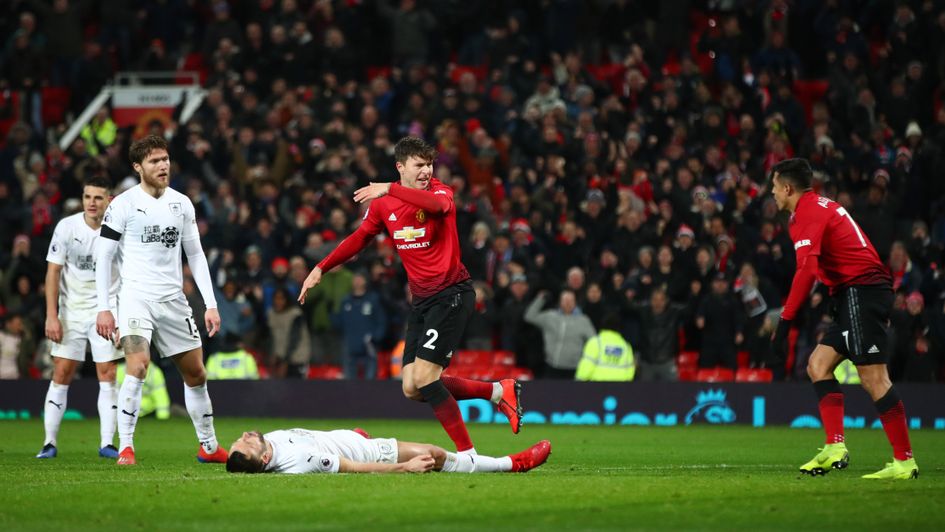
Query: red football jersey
[845,256]
[427,243]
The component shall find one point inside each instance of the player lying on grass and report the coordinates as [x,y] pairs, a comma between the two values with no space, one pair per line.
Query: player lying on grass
[354,451]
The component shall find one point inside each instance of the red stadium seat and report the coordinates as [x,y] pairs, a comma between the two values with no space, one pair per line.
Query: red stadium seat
[55,104]
[478,71]
[743,358]
[808,92]
[687,374]
[375,71]
[715,375]
[687,359]
[325,371]
[503,359]
[479,359]
[753,375]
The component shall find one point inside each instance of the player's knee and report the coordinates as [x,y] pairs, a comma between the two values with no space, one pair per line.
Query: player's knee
[196,377]
[438,454]
[411,392]
[138,368]
[817,370]
[106,372]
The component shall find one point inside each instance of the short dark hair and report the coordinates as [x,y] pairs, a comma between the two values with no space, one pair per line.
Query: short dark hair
[238,462]
[98,181]
[408,147]
[796,170]
[142,147]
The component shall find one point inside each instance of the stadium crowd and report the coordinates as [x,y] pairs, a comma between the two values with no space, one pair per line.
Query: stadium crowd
[612,154]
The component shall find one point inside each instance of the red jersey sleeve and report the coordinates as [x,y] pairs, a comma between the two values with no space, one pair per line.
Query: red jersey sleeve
[370,227]
[437,200]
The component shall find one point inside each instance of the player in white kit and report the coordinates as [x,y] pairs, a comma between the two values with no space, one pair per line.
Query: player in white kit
[70,317]
[354,451]
[151,224]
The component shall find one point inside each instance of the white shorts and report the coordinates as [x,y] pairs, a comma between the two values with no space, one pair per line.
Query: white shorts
[76,335]
[168,325]
[360,449]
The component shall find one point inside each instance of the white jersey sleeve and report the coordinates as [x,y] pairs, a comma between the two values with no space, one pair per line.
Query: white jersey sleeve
[73,247]
[190,231]
[57,246]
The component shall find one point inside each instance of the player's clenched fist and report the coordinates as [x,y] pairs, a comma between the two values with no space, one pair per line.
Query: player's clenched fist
[313,279]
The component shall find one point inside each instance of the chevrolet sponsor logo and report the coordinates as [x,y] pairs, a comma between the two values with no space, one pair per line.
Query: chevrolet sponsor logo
[410,234]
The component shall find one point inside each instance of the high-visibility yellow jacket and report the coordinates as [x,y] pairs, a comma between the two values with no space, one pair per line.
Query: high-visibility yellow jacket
[607,357]
[235,365]
[846,373]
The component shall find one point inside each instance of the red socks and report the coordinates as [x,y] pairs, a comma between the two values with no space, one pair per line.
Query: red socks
[831,413]
[893,416]
[467,388]
[447,411]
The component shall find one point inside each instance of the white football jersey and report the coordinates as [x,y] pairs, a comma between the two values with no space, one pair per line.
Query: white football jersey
[73,248]
[314,451]
[152,230]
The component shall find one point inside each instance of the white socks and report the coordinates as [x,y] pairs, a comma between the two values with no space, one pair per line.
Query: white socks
[496,392]
[129,402]
[53,410]
[107,411]
[466,463]
[198,405]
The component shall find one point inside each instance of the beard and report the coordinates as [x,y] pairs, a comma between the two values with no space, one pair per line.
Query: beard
[152,180]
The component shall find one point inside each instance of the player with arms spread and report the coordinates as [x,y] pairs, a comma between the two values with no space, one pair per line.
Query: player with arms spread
[150,223]
[297,451]
[832,249]
[70,317]
[420,216]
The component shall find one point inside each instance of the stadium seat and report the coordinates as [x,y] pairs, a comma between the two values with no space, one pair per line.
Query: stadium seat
[808,92]
[479,359]
[743,358]
[687,374]
[325,371]
[715,375]
[503,359]
[375,71]
[753,375]
[459,70]
[55,104]
[687,359]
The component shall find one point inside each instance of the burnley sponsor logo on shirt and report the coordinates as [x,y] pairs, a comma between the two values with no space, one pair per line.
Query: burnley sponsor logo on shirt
[153,233]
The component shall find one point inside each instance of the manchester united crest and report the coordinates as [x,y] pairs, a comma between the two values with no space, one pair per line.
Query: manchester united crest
[421,216]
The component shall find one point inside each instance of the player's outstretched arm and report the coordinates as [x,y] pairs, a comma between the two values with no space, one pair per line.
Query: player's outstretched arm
[348,248]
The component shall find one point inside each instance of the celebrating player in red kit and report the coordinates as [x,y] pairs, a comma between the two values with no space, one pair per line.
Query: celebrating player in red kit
[832,249]
[419,215]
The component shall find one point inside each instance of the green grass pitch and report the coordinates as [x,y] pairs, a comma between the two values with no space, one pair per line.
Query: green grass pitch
[598,478]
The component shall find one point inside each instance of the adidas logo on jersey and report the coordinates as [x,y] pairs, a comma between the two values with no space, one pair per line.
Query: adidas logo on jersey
[873,350]
[392,218]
